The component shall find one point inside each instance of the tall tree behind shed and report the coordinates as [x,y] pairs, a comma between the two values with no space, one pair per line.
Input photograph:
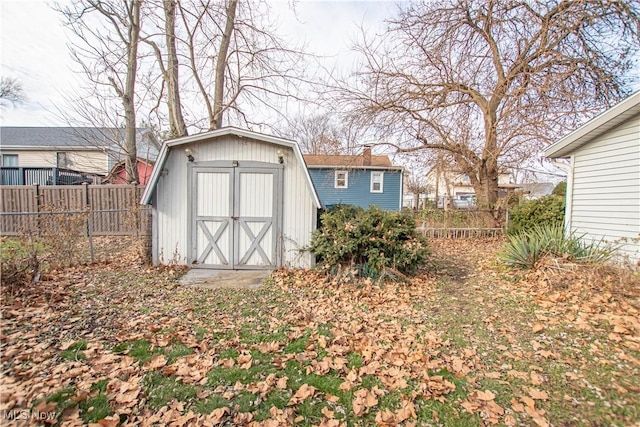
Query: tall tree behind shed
[107,35]
[237,60]
[490,82]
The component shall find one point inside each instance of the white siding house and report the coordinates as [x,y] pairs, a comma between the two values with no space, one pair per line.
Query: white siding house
[232,199]
[83,149]
[603,184]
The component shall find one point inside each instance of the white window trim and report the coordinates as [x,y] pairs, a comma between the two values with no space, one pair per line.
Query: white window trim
[65,157]
[346,179]
[13,156]
[377,173]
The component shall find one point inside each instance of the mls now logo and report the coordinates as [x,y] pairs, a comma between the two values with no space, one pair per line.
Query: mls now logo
[25,414]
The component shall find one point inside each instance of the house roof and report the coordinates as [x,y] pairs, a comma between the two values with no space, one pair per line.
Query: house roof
[538,188]
[595,127]
[76,138]
[121,165]
[242,133]
[347,161]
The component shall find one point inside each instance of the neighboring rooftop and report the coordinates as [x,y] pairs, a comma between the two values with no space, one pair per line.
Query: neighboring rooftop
[537,189]
[77,138]
[362,160]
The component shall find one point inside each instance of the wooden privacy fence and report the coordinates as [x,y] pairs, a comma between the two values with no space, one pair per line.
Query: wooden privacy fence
[108,209]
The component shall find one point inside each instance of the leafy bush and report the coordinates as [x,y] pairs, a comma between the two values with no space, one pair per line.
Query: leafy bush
[560,189]
[544,211]
[371,241]
[525,248]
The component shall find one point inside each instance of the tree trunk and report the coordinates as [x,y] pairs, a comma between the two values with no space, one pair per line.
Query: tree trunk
[486,188]
[177,126]
[128,97]
[215,121]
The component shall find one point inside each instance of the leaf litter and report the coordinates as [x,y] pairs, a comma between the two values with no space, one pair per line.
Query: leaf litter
[552,346]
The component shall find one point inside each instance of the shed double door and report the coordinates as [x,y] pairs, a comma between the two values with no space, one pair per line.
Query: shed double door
[235,217]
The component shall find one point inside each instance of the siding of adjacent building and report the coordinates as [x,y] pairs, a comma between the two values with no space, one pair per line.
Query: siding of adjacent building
[606,188]
[82,161]
[358,192]
[171,214]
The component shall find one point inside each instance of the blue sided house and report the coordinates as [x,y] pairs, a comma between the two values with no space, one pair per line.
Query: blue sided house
[362,180]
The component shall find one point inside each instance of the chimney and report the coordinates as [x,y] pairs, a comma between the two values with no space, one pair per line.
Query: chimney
[366,156]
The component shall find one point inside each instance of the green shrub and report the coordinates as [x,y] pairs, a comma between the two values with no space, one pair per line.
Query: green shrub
[372,241]
[560,189]
[525,248]
[547,210]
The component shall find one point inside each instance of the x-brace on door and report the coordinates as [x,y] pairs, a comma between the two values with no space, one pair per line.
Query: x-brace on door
[236,214]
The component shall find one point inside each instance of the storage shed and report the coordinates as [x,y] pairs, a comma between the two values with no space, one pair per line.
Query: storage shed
[231,199]
[603,180]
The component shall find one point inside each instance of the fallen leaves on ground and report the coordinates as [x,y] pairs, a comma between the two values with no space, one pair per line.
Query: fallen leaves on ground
[537,349]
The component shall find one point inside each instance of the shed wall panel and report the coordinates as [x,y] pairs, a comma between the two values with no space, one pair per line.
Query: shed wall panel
[171,210]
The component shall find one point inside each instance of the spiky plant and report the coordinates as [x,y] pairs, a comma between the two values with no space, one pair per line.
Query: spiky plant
[524,249]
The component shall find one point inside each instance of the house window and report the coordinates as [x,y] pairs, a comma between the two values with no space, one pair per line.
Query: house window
[62,159]
[10,160]
[341,179]
[377,181]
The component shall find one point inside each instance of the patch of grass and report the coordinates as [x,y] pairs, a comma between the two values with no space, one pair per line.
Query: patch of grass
[370,381]
[229,376]
[218,336]
[259,357]
[74,352]
[176,351]
[325,330]
[140,349]
[501,388]
[229,353]
[160,390]
[355,360]
[62,398]
[211,403]
[249,335]
[246,402]
[95,408]
[298,345]
[457,336]
[100,386]
[278,398]
[311,410]
[200,332]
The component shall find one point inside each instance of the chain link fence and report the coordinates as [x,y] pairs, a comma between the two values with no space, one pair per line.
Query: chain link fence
[80,236]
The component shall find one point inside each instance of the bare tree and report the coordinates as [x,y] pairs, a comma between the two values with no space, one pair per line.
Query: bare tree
[490,82]
[239,66]
[416,185]
[169,67]
[106,47]
[321,134]
[11,91]
[221,65]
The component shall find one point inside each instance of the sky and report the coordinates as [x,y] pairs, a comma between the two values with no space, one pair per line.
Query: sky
[33,47]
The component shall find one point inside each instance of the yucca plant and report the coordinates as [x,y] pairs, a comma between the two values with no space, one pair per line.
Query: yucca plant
[524,249]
